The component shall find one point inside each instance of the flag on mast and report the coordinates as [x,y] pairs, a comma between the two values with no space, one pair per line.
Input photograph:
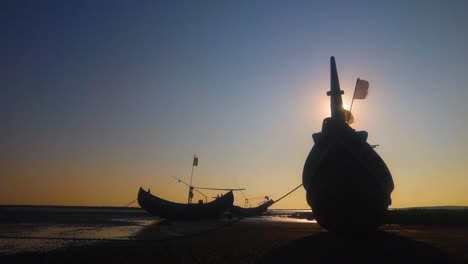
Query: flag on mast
[195,160]
[360,92]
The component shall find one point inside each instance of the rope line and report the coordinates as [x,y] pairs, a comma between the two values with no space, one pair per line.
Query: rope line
[288,193]
[127,205]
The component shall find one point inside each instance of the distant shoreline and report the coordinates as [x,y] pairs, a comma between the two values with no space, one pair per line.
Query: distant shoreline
[70,207]
[435,215]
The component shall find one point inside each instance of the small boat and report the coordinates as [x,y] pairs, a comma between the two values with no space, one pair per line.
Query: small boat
[190,211]
[251,211]
[258,210]
[348,184]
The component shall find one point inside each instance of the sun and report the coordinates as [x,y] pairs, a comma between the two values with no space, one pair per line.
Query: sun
[346,106]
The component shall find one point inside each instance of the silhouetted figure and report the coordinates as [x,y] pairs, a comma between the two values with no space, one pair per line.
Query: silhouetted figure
[348,185]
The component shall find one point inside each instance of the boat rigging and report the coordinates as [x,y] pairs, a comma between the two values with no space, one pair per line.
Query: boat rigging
[196,188]
[187,211]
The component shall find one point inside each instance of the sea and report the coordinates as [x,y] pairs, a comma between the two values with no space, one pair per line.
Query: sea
[47,228]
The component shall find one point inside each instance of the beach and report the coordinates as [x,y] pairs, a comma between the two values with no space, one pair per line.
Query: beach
[266,239]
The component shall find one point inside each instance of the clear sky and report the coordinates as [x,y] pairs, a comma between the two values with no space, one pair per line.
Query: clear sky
[99,98]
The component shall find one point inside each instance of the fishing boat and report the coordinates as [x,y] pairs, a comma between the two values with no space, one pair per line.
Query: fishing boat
[348,185]
[259,210]
[251,211]
[189,211]
[179,211]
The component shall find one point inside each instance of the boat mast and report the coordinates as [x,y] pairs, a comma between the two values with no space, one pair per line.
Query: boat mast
[194,163]
[336,102]
[190,194]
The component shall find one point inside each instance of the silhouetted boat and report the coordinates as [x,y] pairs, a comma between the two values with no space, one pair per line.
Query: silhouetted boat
[191,211]
[348,185]
[258,210]
[251,211]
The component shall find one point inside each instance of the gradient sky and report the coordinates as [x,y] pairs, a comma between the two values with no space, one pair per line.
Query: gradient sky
[99,98]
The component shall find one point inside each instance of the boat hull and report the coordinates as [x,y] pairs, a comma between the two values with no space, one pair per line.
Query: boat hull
[177,211]
[252,211]
[348,185]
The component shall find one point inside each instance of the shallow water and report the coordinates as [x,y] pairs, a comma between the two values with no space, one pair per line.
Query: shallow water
[41,229]
[32,229]
[279,218]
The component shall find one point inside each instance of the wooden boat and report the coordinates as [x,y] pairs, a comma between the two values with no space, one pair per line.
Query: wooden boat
[258,210]
[178,211]
[251,211]
[348,185]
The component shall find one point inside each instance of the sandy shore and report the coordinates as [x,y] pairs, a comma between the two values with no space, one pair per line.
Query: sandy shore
[272,242]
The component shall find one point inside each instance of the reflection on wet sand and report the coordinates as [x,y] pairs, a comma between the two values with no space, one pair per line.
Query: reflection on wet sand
[169,229]
[42,229]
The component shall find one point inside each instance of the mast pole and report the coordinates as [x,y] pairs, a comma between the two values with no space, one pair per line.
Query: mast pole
[352,101]
[190,195]
[191,175]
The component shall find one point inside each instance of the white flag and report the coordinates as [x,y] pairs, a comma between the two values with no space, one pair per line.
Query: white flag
[360,92]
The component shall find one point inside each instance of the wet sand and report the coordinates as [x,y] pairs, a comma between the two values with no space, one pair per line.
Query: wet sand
[250,241]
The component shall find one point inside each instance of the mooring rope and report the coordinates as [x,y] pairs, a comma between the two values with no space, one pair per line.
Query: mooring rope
[127,205]
[288,193]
